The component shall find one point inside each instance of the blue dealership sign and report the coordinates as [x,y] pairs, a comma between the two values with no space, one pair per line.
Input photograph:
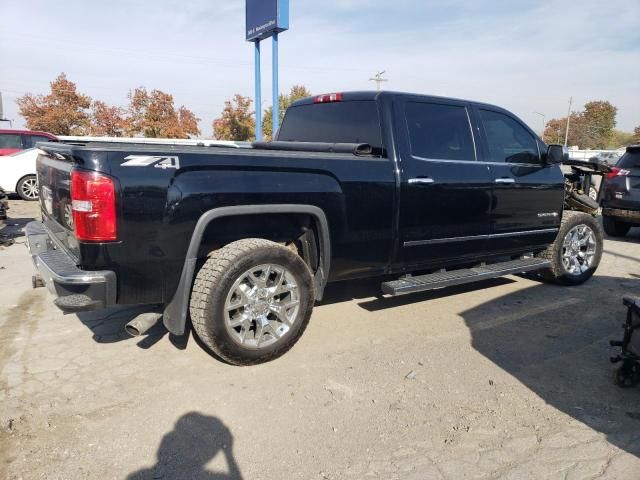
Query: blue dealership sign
[266,17]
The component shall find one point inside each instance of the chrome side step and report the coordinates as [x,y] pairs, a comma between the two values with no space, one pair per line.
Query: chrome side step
[459,277]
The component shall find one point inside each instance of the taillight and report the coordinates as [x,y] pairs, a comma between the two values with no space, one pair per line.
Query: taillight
[329,98]
[93,201]
[617,172]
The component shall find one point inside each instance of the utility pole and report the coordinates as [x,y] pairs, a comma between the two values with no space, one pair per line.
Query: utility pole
[566,135]
[544,124]
[378,79]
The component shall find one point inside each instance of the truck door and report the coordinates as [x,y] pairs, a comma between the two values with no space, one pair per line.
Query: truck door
[528,195]
[445,193]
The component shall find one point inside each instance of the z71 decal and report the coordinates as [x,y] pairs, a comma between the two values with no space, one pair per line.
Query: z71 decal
[163,162]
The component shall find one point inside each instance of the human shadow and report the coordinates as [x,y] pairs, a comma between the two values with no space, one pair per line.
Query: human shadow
[183,453]
[555,340]
[108,325]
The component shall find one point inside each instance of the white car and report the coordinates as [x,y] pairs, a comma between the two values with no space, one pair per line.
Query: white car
[18,174]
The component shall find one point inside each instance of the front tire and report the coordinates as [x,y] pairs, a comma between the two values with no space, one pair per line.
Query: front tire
[576,252]
[251,301]
[27,188]
[615,228]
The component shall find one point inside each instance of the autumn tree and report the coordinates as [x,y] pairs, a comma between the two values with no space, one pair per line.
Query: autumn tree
[64,111]
[591,128]
[635,140]
[620,139]
[154,115]
[107,121]
[296,93]
[236,122]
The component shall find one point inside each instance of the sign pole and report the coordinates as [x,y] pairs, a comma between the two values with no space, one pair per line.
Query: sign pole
[264,19]
[258,100]
[276,99]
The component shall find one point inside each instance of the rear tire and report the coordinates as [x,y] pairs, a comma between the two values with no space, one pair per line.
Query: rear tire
[576,252]
[615,228]
[251,301]
[27,188]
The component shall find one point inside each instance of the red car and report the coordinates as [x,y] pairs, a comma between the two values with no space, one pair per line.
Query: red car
[12,141]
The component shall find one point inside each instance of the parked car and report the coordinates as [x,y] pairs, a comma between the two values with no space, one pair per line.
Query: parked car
[12,141]
[610,158]
[356,185]
[18,174]
[621,195]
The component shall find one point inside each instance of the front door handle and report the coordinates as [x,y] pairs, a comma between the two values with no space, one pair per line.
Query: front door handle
[504,180]
[420,180]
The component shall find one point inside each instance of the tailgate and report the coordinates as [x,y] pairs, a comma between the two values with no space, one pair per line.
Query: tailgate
[54,166]
[54,179]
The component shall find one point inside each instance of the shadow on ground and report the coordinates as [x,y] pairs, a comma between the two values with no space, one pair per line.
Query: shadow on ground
[14,228]
[555,340]
[195,440]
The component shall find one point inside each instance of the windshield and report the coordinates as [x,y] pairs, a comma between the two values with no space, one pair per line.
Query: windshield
[337,122]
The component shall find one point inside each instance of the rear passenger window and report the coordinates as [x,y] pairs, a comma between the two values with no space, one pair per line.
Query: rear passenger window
[508,141]
[10,140]
[439,131]
[33,139]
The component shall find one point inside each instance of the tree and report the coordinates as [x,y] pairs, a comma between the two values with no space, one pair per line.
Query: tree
[107,121]
[236,122]
[154,115]
[635,140]
[64,111]
[620,139]
[296,93]
[592,128]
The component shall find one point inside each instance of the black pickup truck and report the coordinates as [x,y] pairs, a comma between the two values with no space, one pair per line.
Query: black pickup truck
[426,191]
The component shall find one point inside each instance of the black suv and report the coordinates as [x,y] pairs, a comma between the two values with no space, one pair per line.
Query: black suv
[621,196]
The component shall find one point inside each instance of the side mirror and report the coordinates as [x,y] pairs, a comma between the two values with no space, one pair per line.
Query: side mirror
[556,154]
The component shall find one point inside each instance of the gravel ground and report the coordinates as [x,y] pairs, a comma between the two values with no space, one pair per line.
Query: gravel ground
[509,379]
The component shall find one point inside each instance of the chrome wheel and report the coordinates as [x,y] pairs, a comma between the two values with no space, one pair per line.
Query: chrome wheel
[578,250]
[29,188]
[261,306]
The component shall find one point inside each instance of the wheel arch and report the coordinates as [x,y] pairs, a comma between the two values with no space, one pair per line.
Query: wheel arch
[175,312]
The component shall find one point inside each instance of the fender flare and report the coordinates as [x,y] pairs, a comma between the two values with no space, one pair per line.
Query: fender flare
[175,312]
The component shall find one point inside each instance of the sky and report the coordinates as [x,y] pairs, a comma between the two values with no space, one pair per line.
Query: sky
[526,56]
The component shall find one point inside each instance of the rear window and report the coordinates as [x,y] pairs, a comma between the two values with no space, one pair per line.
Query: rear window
[439,131]
[629,160]
[10,140]
[338,122]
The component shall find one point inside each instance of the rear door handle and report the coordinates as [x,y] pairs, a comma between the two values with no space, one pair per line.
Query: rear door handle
[420,180]
[504,180]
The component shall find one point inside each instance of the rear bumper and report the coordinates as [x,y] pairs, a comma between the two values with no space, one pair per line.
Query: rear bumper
[632,216]
[75,290]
